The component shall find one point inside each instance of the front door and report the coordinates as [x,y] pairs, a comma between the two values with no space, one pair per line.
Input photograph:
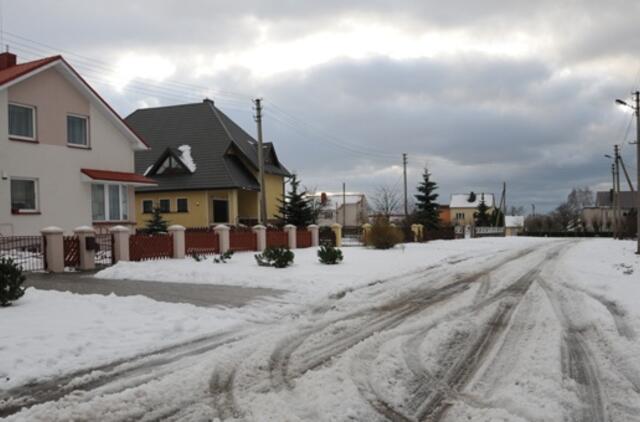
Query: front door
[220,211]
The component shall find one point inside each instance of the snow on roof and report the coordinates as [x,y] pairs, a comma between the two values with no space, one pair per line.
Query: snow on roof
[336,198]
[461,200]
[514,221]
[186,158]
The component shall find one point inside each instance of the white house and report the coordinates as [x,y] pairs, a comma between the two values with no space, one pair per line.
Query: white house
[348,209]
[463,206]
[66,157]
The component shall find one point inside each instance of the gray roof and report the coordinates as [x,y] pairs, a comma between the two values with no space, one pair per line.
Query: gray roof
[223,152]
[603,199]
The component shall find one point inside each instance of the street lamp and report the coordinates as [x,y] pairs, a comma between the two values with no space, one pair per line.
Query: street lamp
[636,110]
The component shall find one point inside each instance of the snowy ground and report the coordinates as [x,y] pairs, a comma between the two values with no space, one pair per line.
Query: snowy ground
[480,330]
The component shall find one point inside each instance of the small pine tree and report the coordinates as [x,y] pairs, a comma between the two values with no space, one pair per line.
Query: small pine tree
[11,279]
[296,208]
[482,217]
[427,212]
[157,224]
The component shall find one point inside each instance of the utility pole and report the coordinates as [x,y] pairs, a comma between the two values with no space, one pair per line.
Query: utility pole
[406,201]
[262,217]
[533,209]
[618,210]
[344,204]
[637,111]
[613,199]
[626,175]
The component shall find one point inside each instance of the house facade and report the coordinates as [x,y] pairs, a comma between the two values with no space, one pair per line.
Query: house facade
[462,207]
[600,218]
[205,166]
[348,209]
[66,157]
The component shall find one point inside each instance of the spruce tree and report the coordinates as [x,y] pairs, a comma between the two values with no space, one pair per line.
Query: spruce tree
[157,224]
[296,208]
[427,210]
[482,217]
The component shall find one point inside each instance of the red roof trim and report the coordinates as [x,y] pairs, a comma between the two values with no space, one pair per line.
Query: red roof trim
[117,176]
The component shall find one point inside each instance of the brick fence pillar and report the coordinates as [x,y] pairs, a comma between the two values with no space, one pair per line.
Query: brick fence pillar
[261,237]
[87,256]
[223,237]
[120,243]
[366,233]
[337,230]
[291,235]
[54,250]
[315,234]
[177,233]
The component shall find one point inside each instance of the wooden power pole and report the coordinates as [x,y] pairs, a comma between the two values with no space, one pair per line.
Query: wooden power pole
[404,173]
[262,216]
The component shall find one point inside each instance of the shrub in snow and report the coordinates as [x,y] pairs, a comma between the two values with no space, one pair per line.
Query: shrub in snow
[275,257]
[197,257]
[223,258]
[11,279]
[383,235]
[156,224]
[330,255]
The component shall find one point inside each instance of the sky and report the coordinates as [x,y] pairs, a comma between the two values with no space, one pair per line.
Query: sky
[480,92]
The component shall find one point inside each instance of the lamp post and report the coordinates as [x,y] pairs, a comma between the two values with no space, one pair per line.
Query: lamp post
[636,109]
[614,197]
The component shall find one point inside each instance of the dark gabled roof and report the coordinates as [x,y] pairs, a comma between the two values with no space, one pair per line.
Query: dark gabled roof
[627,200]
[221,150]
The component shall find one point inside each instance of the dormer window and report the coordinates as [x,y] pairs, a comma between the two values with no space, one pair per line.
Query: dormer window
[170,166]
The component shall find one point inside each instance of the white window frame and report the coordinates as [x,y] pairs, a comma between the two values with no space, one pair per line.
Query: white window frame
[87,132]
[160,205]
[178,206]
[36,193]
[34,121]
[107,211]
[147,200]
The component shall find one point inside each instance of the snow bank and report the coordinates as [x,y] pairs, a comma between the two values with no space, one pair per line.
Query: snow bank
[48,333]
[360,266]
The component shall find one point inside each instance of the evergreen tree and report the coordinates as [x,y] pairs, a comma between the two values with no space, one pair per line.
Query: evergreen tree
[427,210]
[157,224]
[296,208]
[497,218]
[482,217]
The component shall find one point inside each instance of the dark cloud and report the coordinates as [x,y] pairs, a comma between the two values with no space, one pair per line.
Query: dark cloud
[539,120]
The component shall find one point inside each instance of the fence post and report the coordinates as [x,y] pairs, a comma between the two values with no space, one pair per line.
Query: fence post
[120,243]
[223,237]
[315,234]
[177,233]
[261,237]
[291,234]
[337,230]
[54,250]
[87,255]
[366,232]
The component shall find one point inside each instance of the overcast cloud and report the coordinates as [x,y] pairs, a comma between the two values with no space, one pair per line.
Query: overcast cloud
[480,91]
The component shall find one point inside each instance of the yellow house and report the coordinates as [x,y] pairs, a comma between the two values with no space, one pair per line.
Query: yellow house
[463,207]
[205,166]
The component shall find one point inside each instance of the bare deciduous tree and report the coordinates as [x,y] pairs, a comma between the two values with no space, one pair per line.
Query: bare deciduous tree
[386,201]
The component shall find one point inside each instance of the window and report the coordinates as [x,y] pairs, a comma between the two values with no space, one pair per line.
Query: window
[459,216]
[22,122]
[165,205]
[24,195]
[183,205]
[77,131]
[147,206]
[109,202]
[170,166]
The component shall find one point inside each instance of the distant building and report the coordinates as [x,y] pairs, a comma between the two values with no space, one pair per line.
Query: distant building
[444,212]
[513,225]
[349,209]
[463,206]
[600,217]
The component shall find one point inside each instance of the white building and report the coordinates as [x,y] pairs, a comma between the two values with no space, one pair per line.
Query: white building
[66,157]
[349,209]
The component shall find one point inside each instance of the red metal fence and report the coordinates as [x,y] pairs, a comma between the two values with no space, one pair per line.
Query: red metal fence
[26,251]
[71,250]
[144,247]
[276,238]
[201,242]
[242,241]
[303,238]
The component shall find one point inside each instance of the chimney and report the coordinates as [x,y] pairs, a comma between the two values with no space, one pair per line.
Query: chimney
[208,101]
[7,60]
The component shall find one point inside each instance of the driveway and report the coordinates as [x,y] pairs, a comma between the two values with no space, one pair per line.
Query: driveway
[195,294]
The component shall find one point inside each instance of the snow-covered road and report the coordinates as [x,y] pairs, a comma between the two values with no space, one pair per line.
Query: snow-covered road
[508,336]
